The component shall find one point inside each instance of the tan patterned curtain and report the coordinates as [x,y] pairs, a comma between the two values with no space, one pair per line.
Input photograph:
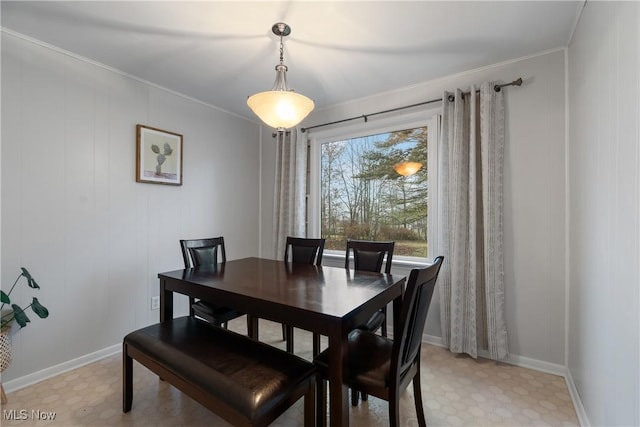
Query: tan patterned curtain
[289,207]
[470,168]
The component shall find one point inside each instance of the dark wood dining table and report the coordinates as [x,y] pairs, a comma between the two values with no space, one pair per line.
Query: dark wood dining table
[327,300]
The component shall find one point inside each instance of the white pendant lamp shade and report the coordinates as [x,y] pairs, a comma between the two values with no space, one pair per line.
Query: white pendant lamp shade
[280,107]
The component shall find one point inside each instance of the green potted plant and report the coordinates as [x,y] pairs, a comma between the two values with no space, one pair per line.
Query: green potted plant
[18,314]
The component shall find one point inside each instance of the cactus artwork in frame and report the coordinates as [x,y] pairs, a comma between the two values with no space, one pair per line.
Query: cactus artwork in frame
[158,156]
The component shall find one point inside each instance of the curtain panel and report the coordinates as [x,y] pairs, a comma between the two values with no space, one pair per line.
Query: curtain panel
[289,216]
[470,236]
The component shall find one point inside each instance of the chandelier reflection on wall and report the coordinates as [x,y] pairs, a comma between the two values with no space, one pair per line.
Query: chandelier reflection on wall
[407,168]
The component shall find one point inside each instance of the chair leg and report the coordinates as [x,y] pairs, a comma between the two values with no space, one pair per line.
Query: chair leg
[191,302]
[364,396]
[284,332]
[321,403]
[394,407]
[310,404]
[354,397]
[417,396]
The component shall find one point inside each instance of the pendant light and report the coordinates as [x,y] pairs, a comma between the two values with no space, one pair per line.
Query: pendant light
[407,168]
[280,107]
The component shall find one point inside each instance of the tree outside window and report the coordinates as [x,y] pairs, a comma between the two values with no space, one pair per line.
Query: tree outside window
[363,197]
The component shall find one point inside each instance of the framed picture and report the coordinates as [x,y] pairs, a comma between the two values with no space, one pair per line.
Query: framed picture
[158,156]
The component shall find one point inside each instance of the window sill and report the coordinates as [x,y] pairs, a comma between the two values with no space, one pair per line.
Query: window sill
[397,262]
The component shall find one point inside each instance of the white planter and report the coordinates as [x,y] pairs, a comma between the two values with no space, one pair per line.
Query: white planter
[5,356]
[5,349]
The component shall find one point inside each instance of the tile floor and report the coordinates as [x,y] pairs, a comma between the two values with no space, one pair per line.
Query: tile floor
[457,391]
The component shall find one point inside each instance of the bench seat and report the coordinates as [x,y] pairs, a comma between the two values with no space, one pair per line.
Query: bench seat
[241,380]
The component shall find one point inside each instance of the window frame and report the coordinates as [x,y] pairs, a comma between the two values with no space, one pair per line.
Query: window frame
[430,118]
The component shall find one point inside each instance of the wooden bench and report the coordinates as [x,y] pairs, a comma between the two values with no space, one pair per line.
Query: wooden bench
[241,380]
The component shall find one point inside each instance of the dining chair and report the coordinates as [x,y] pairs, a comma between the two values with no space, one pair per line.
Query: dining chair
[383,367]
[369,256]
[197,252]
[299,250]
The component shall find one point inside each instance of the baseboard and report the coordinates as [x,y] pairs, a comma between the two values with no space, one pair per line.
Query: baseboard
[52,371]
[535,364]
[433,340]
[523,362]
[583,420]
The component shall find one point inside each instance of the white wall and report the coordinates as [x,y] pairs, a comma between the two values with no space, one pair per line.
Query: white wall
[73,214]
[267,186]
[534,196]
[604,206]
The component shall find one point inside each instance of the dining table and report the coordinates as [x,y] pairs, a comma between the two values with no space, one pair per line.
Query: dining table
[330,301]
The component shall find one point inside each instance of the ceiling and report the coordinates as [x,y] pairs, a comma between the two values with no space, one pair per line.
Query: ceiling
[220,52]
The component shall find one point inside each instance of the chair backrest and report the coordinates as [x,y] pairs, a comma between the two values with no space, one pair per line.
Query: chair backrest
[369,255]
[196,252]
[413,314]
[304,251]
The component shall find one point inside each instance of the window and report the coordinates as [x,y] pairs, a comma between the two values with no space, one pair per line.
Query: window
[359,194]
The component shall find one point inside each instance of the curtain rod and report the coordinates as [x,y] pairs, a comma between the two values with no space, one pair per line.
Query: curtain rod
[497,88]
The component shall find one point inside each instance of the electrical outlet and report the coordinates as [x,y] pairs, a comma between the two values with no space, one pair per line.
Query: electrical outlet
[155,303]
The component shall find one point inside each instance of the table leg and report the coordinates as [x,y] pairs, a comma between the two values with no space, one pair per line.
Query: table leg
[338,392]
[252,327]
[166,302]
[397,307]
